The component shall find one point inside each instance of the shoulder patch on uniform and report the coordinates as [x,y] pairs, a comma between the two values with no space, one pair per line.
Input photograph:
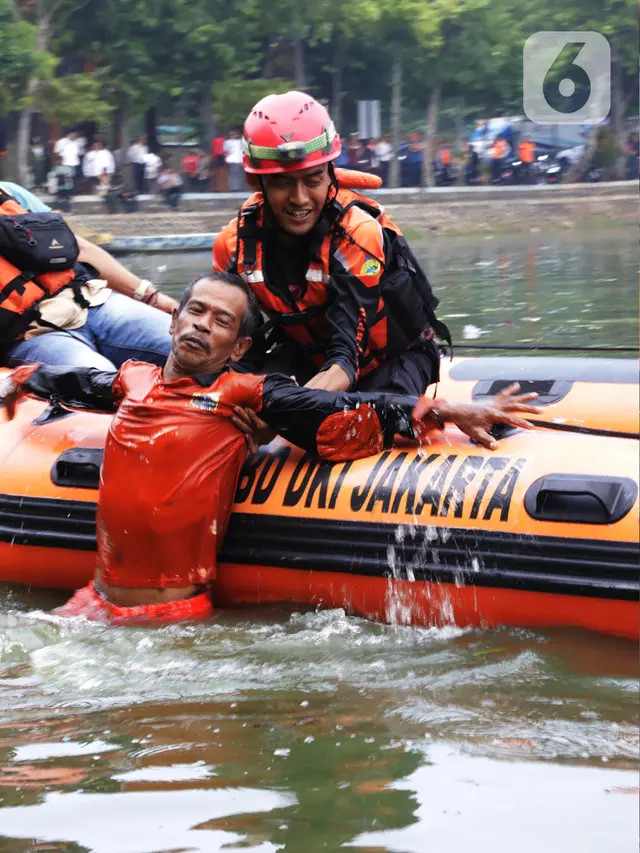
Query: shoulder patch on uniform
[206,402]
[371,266]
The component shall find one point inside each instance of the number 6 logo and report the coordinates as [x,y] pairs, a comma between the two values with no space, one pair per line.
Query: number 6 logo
[566,77]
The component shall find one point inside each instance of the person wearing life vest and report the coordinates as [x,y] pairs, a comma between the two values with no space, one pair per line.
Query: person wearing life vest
[173,453]
[57,299]
[346,302]
[498,152]
[527,156]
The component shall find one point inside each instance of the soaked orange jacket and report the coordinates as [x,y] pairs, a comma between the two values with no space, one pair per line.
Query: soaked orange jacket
[173,457]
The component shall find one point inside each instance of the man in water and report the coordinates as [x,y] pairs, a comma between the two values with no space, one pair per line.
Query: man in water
[173,452]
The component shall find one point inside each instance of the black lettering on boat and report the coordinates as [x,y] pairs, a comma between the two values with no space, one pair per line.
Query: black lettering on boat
[273,465]
[320,481]
[248,476]
[359,496]
[409,483]
[501,498]
[496,463]
[338,485]
[384,486]
[462,478]
[294,492]
[432,492]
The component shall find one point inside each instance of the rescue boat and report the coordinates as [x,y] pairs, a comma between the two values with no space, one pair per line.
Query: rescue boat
[540,532]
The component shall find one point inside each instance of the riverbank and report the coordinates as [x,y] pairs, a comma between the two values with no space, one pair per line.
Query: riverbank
[446,211]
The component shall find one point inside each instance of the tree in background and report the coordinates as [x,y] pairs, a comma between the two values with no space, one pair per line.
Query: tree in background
[202,61]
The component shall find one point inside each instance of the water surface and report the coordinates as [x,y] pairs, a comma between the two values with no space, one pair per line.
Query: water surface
[270,730]
[578,288]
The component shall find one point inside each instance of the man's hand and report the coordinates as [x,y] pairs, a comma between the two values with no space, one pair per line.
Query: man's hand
[10,393]
[476,419]
[255,430]
[334,378]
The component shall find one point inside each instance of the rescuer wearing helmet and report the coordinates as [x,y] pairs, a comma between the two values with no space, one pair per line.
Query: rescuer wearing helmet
[346,302]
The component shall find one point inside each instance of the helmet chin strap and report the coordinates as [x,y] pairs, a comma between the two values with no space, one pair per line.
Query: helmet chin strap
[333,178]
[268,211]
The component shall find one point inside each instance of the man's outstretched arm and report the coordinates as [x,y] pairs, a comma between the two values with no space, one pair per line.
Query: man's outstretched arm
[77,388]
[338,425]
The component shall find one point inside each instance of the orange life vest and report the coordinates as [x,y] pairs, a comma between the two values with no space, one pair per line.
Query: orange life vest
[498,149]
[526,151]
[21,290]
[304,318]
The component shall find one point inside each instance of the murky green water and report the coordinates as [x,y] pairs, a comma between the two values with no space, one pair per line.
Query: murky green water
[268,730]
[575,288]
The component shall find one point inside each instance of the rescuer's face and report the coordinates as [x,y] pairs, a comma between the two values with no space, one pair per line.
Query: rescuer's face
[297,198]
[205,331]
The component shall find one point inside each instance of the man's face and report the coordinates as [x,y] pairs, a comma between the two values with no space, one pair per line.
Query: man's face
[297,198]
[205,332]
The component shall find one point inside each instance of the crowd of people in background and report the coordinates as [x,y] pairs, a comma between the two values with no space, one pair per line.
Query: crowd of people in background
[74,165]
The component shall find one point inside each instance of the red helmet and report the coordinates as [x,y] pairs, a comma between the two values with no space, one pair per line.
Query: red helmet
[284,133]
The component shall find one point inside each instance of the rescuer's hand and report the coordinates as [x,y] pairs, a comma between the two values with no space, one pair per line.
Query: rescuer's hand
[476,419]
[256,431]
[10,393]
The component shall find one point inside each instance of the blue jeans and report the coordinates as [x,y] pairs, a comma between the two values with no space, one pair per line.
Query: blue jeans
[116,331]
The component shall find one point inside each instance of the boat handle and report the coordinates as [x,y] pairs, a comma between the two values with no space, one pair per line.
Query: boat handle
[549,390]
[78,467]
[586,500]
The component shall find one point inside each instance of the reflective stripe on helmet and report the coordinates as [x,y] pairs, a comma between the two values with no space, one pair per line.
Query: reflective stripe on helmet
[290,151]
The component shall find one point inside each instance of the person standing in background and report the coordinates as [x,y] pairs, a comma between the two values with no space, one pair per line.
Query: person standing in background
[527,156]
[498,152]
[68,150]
[233,159]
[190,169]
[152,166]
[203,173]
[218,166]
[136,155]
[38,163]
[415,156]
[384,153]
[97,162]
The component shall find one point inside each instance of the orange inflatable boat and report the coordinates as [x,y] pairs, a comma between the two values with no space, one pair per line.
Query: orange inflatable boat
[541,532]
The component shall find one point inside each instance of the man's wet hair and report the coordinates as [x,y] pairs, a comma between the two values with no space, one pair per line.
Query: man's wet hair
[251,319]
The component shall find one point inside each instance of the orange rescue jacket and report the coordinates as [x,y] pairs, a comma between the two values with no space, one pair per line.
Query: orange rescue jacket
[360,269]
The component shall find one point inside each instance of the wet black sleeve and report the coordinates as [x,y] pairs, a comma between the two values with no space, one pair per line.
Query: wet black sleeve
[351,314]
[298,413]
[78,388]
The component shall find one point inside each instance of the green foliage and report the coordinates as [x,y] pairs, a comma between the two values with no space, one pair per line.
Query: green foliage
[233,99]
[20,59]
[72,98]
[607,151]
[171,54]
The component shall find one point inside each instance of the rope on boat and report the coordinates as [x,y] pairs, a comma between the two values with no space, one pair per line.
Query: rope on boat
[531,347]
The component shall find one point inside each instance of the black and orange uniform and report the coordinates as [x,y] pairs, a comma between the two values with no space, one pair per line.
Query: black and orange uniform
[38,254]
[527,155]
[526,151]
[350,293]
[172,459]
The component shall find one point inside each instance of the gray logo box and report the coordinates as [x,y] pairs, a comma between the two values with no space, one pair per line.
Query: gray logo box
[566,77]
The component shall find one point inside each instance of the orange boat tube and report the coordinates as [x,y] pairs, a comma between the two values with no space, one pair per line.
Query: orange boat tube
[540,532]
